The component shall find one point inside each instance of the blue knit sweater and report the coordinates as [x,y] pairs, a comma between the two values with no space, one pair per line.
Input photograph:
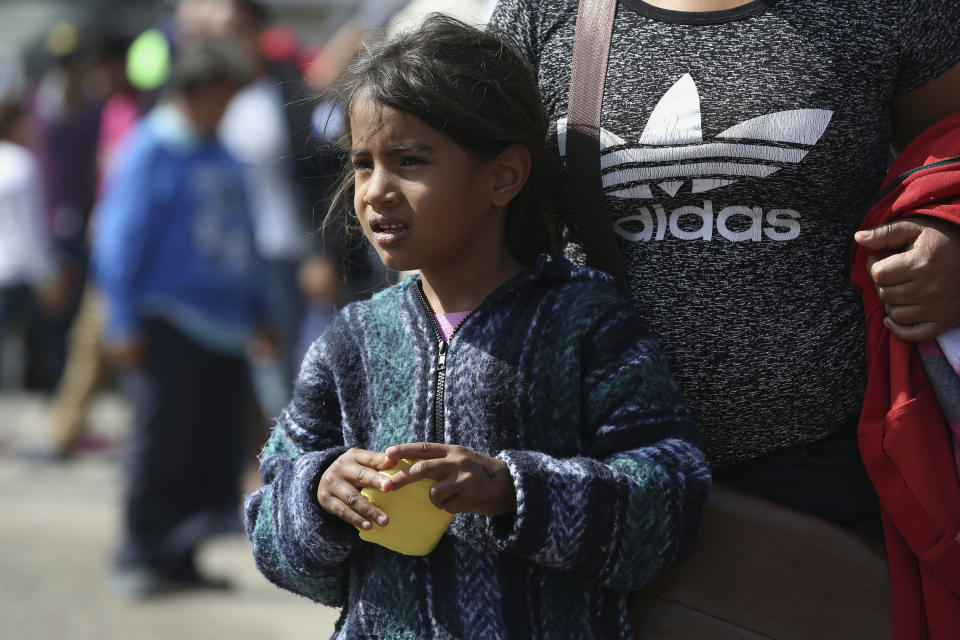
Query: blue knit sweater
[555,374]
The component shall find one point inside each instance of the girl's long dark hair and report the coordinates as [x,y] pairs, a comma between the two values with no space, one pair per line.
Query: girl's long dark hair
[474,87]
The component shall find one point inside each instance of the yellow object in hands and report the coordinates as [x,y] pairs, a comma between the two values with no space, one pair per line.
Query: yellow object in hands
[416,525]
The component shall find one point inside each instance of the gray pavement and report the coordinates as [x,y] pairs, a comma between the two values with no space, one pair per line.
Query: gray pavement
[58,527]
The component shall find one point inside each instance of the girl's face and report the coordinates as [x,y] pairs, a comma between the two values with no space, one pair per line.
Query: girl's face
[422,200]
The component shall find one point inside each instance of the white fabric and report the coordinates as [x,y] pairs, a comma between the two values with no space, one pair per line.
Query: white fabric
[474,12]
[25,254]
[254,130]
[950,345]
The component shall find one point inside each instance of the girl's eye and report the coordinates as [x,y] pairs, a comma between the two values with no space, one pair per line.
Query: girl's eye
[361,165]
[412,161]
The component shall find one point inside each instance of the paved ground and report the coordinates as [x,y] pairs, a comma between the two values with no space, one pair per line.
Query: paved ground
[58,525]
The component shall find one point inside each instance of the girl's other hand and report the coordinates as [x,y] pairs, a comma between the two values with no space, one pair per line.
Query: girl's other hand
[466,480]
[339,490]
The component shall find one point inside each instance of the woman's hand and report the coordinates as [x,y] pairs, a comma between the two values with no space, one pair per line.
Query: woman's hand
[466,480]
[919,285]
[339,490]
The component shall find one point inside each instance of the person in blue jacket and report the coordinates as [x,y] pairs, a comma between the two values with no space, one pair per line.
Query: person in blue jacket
[175,260]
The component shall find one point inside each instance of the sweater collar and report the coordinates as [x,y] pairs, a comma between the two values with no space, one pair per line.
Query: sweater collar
[547,268]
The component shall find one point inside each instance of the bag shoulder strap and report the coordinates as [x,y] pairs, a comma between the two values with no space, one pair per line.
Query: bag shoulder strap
[591,47]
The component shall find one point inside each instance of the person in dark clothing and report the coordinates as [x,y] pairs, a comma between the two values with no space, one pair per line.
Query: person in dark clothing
[175,260]
[742,143]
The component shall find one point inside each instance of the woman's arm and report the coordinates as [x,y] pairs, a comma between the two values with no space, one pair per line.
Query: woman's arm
[916,110]
[918,283]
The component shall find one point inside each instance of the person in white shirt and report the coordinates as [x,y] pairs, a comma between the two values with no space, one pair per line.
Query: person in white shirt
[27,264]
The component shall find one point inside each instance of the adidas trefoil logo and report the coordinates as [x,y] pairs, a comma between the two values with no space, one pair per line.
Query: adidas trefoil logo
[672,150]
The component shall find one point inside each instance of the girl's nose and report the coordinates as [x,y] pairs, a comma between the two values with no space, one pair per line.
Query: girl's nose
[379,190]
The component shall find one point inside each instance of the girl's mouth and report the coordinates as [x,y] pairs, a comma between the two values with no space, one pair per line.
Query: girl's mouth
[387,231]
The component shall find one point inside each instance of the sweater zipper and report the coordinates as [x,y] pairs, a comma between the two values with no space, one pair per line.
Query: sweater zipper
[436,427]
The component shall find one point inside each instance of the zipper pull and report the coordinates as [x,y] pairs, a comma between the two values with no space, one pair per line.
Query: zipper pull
[442,355]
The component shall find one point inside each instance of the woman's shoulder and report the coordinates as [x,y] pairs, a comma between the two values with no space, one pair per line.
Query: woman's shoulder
[532,8]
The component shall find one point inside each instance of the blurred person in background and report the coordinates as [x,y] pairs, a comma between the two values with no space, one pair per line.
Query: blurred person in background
[360,271]
[65,110]
[27,262]
[321,283]
[291,172]
[86,363]
[267,128]
[174,256]
[199,19]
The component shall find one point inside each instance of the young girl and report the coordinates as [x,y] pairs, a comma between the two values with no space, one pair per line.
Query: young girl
[526,387]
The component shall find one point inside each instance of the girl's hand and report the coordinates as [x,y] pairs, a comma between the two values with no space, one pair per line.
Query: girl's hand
[466,480]
[339,489]
[918,285]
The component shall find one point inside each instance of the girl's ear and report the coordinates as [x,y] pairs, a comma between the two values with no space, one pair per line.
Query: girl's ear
[510,170]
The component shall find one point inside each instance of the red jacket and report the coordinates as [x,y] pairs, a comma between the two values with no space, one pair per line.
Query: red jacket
[904,438]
